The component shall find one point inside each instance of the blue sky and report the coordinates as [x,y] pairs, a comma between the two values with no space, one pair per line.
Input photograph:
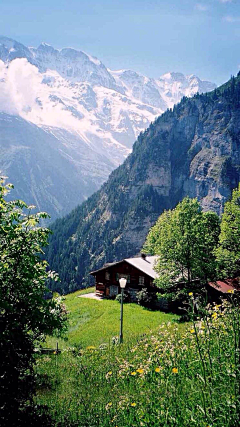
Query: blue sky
[149,36]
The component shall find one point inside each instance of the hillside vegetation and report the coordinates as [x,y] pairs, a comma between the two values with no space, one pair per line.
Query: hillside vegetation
[173,377]
[192,150]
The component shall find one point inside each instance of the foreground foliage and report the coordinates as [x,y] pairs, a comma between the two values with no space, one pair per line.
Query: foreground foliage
[25,316]
[171,378]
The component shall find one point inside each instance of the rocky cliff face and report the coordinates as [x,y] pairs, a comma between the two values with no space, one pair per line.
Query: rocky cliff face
[192,150]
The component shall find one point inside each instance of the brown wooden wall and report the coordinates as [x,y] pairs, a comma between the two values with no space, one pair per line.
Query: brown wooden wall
[118,269]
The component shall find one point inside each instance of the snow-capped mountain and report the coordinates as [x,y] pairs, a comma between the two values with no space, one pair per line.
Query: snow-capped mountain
[68,92]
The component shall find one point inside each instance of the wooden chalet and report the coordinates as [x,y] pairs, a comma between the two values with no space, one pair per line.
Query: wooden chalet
[138,271]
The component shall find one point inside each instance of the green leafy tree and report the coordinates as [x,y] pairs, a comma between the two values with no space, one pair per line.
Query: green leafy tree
[228,252]
[25,315]
[184,239]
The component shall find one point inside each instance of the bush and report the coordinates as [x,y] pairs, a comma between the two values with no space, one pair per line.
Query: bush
[146,298]
[126,297]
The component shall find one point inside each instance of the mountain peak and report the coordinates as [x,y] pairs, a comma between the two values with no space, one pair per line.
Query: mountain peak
[11,49]
[46,47]
[173,76]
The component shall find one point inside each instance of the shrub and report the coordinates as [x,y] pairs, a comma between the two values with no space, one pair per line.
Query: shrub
[126,297]
[146,298]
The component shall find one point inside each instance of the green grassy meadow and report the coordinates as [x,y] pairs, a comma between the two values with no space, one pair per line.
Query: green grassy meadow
[93,322]
[165,374]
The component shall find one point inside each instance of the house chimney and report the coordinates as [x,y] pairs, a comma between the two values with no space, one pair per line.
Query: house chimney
[143,256]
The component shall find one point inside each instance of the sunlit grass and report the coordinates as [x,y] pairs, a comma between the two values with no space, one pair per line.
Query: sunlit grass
[183,376]
[93,322]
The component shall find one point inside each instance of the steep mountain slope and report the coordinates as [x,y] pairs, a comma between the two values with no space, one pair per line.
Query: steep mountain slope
[47,171]
[192,150]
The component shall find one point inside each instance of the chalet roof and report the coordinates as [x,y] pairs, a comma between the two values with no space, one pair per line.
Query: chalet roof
[144,264]
[226,285]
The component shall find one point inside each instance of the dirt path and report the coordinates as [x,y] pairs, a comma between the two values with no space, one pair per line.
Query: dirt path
[92,295]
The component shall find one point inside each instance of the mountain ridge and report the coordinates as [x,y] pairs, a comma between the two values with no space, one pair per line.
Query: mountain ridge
[72,96]
[193,149]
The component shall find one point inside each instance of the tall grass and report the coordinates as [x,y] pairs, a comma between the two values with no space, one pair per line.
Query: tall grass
[169,378]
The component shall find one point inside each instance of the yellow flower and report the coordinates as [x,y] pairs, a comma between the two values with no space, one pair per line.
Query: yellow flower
[157,369]
[190,294]
[192,331]
[231,291]
[91,347]
[133,373]
[174,370]
[133,404]
[140,371]
[214,315]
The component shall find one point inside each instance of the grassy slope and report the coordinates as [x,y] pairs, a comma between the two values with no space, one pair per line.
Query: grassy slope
[93,322]
[176,377]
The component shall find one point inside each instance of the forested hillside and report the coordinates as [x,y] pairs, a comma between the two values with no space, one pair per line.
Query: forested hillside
[191,150]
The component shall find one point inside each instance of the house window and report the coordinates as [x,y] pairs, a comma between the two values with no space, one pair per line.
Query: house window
[107,275]
[125,276]
[141,280]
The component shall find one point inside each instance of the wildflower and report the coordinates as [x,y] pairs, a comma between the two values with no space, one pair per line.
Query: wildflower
[133,404]
[231,291]
[133,373]
[157,369]
[214,315]
[108,374]
[91,347]
[108,406]
[190,294]
[140,371]
[192,331]
[174,370]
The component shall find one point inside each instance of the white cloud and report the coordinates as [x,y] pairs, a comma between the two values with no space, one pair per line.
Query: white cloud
[201,7]
[231,19]
[21,86]
[18,86]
